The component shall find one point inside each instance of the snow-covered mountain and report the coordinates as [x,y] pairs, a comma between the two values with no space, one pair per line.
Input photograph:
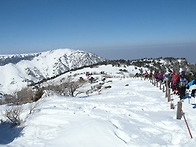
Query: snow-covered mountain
[20,70]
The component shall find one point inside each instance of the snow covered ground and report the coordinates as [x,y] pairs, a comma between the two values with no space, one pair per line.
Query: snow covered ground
[131,113]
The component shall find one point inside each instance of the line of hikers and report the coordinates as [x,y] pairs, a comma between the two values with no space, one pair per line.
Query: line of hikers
[177,82]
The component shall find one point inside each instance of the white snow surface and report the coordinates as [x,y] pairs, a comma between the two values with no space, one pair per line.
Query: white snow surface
[131,113]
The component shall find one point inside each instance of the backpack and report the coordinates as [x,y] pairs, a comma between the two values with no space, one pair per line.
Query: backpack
[191,83]
[182,82]
[156,75]
[174,79]
[160,76]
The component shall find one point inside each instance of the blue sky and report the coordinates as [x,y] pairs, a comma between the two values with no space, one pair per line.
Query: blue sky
[113,29]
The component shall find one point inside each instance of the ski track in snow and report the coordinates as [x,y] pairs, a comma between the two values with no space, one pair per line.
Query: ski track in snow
[123,116]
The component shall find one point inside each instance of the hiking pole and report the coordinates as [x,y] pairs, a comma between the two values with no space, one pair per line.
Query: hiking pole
[186,123]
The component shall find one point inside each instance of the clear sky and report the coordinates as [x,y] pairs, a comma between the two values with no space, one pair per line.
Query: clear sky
[113,29]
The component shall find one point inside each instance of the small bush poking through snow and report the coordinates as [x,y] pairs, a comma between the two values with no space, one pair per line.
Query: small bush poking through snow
[38,95]
[13,114]
[25,95]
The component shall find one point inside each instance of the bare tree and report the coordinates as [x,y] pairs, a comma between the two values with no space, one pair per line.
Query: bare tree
[13,114]
[68,86]
[38,94]
[33,106]
[25,95]
[72,87]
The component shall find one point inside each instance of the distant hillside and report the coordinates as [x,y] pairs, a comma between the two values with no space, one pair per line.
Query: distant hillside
[14,59]
[165,64]
[23,69]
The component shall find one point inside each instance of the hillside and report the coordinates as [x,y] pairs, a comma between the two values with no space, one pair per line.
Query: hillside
[20,70]
[125,112]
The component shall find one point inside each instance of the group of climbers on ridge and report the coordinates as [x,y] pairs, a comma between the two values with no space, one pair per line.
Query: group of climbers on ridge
[177,82]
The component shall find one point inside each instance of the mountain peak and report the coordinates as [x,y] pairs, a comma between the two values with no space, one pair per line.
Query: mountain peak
[28,68]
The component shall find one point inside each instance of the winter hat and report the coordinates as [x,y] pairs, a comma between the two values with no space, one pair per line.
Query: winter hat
[183,72]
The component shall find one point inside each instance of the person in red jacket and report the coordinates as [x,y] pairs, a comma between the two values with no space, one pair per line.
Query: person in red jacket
[173,83]
[146,75]
[160,76]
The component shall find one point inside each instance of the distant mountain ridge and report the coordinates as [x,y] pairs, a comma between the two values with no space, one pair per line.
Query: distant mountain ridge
[14,59]
[22,69]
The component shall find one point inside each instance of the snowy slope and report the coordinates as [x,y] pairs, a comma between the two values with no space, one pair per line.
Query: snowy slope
[131,113]
[20,70]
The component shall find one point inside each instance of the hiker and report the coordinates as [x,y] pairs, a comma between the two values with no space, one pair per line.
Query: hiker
[160,76]
[173,82]
[193,87]
[181,83]
[146,75]
[150,75]
[166,80]
[169,79]
[155,75]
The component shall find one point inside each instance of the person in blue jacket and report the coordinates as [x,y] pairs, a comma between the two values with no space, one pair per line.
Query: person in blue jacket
[194,90]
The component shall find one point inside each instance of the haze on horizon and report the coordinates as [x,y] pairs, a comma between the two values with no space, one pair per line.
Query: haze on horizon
[113,29]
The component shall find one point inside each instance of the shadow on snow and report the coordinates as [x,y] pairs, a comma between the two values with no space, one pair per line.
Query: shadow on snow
[8,132]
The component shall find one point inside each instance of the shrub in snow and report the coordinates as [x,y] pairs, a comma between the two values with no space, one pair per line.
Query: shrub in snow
[92,80]
[33,106]
[110,81]
[38,94]
[25,95]
[131,75]
[68,87]
[13,113]
[72,88]
[103,79]
[81,80]
[95,88]
[123,70]
[2,99]
[106,87]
